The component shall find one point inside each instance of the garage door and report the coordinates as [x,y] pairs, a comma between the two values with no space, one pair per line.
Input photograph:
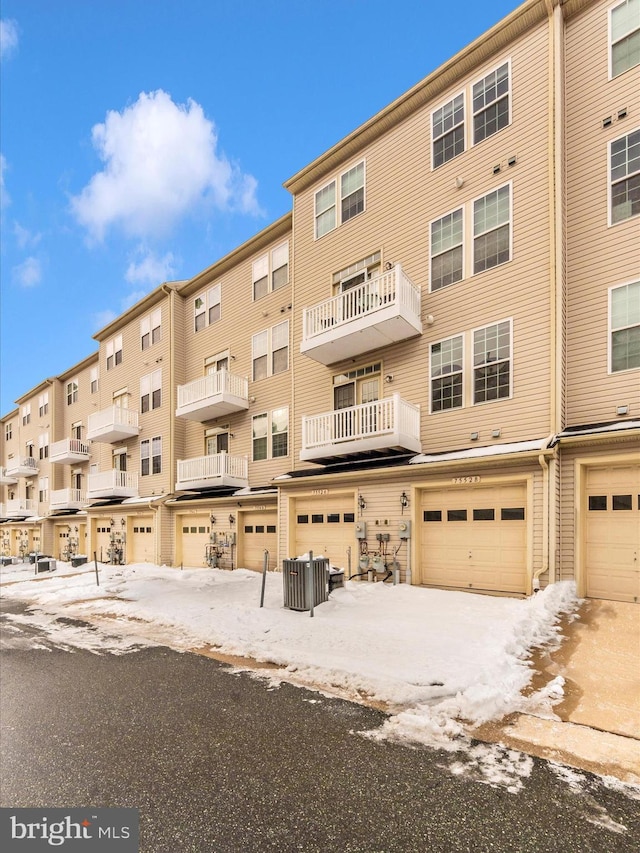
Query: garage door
[612,553]
[475,538]
[259,531]
[141,548]
[326,526]
[62,540]
[193,532]
[103,539]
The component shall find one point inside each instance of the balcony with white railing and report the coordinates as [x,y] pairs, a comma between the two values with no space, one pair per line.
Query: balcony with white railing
[69,451]
[112,484]
[388,426]
[112,425]
[210,472]
[213,395]
[5,479]
[66,499]
[22,466]
[19,508]
[375,314]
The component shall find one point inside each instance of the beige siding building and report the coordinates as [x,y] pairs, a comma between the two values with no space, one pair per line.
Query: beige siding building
[429,371]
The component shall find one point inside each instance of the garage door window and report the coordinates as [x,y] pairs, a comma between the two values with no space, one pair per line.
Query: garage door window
[515,513]
[484,514]
[456,515]
[597,503]
[622,502]
[432,515]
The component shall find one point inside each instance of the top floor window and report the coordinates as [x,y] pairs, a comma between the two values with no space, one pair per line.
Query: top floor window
[271,271]
[624,32]
[150,329]
[206,308]
[491,103]
[352,192]
[447,131]
[43,404]
[72,392]
[352,200]
[114,352]
[26,414]
[8,431]
[93,379]
[625,177]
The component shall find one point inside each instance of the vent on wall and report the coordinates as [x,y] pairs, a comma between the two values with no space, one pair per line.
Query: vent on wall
[607,121]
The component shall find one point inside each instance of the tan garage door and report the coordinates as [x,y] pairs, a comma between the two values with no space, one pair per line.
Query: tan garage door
[258,531]
[141,548]
[612,553]
[326,526]
[193,534]
[475,538]
[102,540]
[62,539]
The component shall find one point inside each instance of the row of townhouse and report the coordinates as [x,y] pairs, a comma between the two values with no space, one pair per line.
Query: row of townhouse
[430,369]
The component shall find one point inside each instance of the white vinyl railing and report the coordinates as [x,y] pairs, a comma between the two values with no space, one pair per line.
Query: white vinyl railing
[20,506]
[68,445]
[67,498]
[213,467]
[388,288]
[23,462]
[391,416]
[112,479]
[213,385]
[113,416]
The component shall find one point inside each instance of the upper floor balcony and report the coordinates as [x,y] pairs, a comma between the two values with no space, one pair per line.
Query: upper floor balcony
[386,426]
[112,425]
[69,451]
[210,472]
[375,314]
[22,466]
[112,484]
[212,395]
[67,499]
[5,479]
[19,508]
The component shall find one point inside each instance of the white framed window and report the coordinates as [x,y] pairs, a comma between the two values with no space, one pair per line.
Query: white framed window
[325,209]
[114,352]
[624,36]
[151,456]
[624,327]
[492,229]
[491,102]
[43,446]
[151,391]
[43,404]
[624,177]
[76,430]
[492,362]
[270,351]
[207,308]
[448,131]
[352,192]
[446,370]
[8,431]
[29,449]
[25,413]
[94,377]
[328,215]
[71,390]
[447,249]
[280,266]
[270,435]
[270,271]
[215,363]
[43,489]
[151,329]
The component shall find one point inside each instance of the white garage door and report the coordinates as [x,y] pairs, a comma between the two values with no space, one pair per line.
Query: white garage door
[612,553]
[193,533]
[141,548]
[475,538]
[258,531]
[326,526]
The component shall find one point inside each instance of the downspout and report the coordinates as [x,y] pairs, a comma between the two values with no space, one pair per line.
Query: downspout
[172,415]
[544,567]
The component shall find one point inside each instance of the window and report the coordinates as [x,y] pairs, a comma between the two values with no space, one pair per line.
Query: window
[446,374]
[43,489]
[624,29]
[492,229]
[43,445]
[43,404]
[270,435]
[26,414]
[447,131]
[151,391]
[93,380]
[8,431]
[151,329]
[625,177]
[114,352]
[270,351]
[215,363]
[491,103]
[271,271]
[624,312]
[446,250]
[151,456]
[492,362]
[206,308]
[72,392]
[352,200]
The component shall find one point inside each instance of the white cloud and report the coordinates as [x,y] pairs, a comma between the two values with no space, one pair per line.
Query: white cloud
[8,37]
[24,237]
[160,163]
[28,273]
[5,198]
[151,269]
[103,318]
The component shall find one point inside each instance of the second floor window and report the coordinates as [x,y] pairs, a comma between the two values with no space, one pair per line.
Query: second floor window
[446,250]
[492,362]
[270,351]
[446,374]
[151,456]
[151,391]
[625,177]
[624,314]
[270,435]
[624,28]
[43,489]
[492,229]
[43,446]
[114,352]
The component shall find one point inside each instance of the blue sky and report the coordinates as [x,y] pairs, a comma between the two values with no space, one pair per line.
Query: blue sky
[141,140]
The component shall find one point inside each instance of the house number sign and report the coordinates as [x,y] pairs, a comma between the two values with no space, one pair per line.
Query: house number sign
[320,491]
[459,480]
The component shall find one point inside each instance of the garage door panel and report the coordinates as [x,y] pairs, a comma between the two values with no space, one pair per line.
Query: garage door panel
[142,540]
[259,532]
[326,526]
[194,533]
